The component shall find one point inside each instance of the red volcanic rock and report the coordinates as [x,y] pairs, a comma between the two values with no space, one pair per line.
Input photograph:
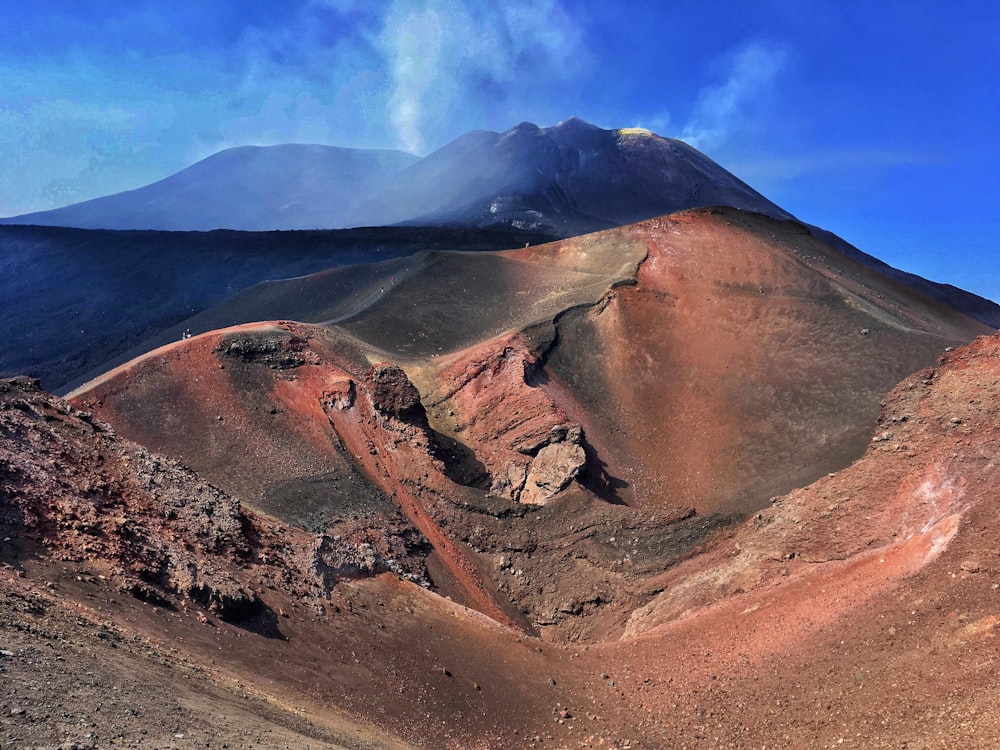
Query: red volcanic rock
[167,584]
[794,625]
[352,441]
[340,394]
[70,483]
[837,597]
[486,399]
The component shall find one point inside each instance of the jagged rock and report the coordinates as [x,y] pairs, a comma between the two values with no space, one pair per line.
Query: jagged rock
[159,528]
[552,470]
[20,383]
[277,351]
[205,513]
[393,394]
[557,434]
[333,561]
[509,481]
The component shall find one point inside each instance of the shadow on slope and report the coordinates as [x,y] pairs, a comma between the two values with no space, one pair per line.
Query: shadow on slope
[427,303]
[75,299]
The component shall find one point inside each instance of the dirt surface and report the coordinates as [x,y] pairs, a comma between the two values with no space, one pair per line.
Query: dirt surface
[860,610]
[473,550]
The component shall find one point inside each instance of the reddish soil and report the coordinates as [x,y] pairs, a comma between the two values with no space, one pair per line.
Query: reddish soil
[749,359]
[832,615]
[672,589]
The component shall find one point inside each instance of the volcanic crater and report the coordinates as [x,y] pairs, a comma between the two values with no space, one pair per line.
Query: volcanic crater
[642,489]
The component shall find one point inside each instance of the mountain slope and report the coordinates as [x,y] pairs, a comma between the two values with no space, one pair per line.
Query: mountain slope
[290,186]
[749,358]
[568,179]
[982,309]
[860,608]
[678,372]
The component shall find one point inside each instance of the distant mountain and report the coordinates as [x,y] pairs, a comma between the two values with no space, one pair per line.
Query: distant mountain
[291,186]
[569,179]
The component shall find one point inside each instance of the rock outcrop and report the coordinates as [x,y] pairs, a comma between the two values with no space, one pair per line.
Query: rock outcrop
[71,485]
[279,351]
[554,466]
[529,446]
[393,394]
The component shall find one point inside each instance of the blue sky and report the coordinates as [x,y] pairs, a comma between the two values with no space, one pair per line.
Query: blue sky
[877,121]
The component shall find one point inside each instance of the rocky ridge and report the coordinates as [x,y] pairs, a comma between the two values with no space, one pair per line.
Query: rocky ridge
[160,533]
[714,641]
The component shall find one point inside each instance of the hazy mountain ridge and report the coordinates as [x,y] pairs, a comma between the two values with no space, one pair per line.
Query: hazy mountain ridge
[568,179]
[251,188]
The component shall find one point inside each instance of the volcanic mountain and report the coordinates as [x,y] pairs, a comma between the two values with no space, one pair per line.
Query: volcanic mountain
[568,179]
[638,488]
[78,301]
[667,497]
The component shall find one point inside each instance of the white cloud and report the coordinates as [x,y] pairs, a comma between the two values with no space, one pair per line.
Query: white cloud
[447,56]
[720,109]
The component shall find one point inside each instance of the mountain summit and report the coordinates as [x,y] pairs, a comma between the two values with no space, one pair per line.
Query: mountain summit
[568,179]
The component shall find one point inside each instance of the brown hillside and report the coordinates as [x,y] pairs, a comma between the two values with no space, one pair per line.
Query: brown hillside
[558,468]
[859,610]
[748,359]
[638,489]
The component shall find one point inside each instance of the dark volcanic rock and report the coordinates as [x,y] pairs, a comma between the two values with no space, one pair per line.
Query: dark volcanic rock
[393,394]
[280,351]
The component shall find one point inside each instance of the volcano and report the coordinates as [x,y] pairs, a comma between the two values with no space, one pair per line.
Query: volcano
[568,179]
[705,479]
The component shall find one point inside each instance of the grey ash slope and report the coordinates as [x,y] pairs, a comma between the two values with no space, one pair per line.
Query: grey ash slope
[981,309]
[569,179]
[75,298]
